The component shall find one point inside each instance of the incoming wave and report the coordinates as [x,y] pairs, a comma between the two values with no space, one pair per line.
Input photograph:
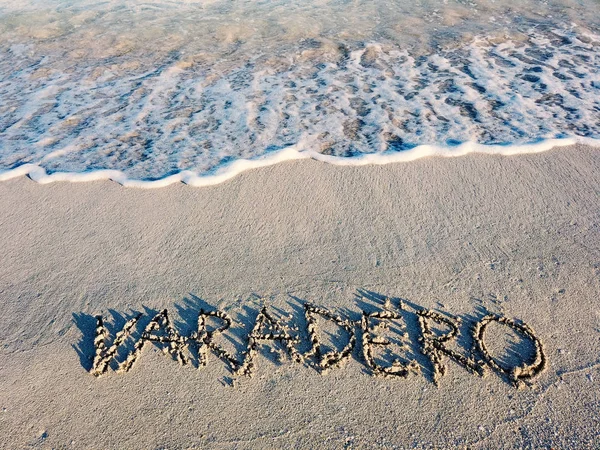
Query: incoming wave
[234,168]
[149,118]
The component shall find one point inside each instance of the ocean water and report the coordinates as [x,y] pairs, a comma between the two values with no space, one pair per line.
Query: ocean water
[149,93]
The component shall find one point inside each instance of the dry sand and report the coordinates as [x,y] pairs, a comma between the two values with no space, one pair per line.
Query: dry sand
[517,236]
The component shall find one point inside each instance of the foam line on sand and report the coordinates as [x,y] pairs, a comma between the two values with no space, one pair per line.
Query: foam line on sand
[297,152]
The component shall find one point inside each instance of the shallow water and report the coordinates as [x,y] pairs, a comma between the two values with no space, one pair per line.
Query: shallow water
[151,89]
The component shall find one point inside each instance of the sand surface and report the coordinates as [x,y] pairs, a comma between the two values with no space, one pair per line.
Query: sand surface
[516,236]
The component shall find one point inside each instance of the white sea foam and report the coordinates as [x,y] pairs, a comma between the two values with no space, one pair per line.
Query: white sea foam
[197,91]
[233,169]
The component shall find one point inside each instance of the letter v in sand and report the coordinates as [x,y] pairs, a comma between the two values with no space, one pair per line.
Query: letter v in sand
[104,355]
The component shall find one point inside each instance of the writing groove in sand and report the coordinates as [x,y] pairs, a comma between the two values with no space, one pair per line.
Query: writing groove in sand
[395,341]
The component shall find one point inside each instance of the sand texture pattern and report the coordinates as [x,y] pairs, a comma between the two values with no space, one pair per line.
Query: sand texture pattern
[307,306]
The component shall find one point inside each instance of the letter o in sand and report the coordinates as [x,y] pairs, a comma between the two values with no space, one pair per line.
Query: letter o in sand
[517,374]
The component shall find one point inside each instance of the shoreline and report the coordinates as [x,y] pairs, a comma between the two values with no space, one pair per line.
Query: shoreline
[483,234]
[300,151]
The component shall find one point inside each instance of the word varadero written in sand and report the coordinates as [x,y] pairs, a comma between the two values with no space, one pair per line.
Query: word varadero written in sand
[434,346]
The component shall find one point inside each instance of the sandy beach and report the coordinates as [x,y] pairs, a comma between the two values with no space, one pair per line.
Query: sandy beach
[514,236]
